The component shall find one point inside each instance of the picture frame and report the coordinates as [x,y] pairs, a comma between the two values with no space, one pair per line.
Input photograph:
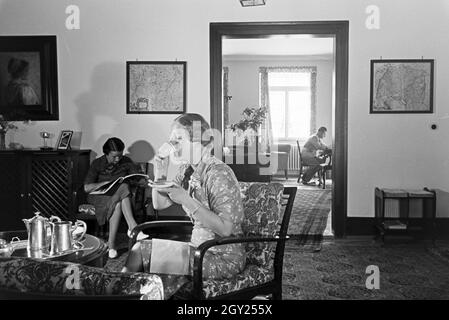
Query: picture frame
[154,87]
[401,86]
[29,78]
[64,140]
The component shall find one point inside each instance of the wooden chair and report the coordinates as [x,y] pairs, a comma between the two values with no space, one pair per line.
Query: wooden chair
[265,234]
[302,167]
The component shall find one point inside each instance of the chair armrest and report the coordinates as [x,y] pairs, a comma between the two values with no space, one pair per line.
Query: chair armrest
[201,251]
[162,225]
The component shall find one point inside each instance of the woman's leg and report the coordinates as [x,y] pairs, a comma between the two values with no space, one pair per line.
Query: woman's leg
[134,261]
[128,213]
[114,223]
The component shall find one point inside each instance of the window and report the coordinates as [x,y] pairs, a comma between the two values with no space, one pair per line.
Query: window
[291,99]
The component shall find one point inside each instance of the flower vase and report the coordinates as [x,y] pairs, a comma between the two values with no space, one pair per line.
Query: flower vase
[2,140]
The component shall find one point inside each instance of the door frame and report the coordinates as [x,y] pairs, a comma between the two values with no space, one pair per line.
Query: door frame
[337,29]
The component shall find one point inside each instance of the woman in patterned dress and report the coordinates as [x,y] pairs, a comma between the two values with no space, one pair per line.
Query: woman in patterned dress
[209,193]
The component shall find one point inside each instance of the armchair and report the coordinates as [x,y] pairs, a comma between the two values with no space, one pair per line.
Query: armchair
[25,278]
[265,233]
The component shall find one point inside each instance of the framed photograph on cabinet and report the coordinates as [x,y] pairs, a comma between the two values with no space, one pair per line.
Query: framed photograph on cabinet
[64,140]
[155,87]
[401,86]
[28,78]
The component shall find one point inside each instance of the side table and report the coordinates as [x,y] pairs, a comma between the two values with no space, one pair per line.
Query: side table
[396,217]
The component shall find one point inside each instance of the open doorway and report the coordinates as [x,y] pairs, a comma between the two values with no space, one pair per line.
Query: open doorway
[337,34]
[292,77]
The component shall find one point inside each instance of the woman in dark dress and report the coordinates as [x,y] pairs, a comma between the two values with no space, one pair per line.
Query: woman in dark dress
[116,202]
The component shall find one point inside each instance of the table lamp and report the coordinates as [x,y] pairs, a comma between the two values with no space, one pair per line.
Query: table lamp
[45,136]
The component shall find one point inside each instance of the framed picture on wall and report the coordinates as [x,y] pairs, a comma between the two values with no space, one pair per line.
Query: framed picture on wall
[28,78]
[155,87]
[401,86]
[64,140]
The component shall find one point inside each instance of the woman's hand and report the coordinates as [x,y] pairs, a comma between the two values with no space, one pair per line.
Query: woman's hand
[176,194]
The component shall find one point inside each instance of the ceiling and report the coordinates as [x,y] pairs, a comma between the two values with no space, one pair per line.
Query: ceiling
[281,45]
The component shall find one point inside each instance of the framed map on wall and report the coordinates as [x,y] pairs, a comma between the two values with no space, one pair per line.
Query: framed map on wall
[401,86]
[155,87]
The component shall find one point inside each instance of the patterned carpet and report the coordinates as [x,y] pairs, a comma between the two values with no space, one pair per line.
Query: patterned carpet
[338,271]
[309,217]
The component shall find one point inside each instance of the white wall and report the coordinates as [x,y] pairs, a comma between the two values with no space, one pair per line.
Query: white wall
[383,150]
[244,87]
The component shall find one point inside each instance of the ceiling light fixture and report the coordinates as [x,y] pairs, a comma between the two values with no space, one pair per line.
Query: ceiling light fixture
[252,3]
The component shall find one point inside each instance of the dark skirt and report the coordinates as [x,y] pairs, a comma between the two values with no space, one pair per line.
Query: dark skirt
[105,203]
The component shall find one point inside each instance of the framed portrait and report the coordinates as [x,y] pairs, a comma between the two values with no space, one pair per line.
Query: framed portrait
[155,87]
[28,78]
[401,86]
[64,140]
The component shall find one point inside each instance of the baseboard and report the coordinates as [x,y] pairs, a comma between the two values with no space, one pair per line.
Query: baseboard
[357,226]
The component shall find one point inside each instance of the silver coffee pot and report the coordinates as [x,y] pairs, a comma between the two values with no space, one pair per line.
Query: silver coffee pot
[39,231]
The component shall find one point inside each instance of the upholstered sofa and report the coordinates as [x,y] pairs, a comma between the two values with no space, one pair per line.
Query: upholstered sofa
[42,279]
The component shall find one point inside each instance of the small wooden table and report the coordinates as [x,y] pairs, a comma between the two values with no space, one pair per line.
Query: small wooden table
[95,257]
[326,166]
[398,219]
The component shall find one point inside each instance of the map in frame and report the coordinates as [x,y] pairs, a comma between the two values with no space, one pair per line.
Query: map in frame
[156,87]
[401,86]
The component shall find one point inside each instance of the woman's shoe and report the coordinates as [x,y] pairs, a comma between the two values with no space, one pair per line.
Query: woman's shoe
[113,253]
[140,236]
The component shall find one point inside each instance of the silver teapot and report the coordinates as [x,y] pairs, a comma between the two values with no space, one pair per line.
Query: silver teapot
[39,231]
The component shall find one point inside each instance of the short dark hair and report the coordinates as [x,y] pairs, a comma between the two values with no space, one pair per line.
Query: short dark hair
[322,129]
[113,144]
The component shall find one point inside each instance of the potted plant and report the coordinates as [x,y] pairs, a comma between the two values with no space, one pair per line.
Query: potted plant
[248,127]
[5,125]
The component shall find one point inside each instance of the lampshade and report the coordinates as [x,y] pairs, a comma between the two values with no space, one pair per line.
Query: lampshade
[251,3]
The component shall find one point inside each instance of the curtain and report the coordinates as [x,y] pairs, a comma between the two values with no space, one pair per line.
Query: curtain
[266,131]
[313,71]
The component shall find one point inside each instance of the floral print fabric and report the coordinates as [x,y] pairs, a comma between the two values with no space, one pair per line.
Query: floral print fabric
[56,278]
[214,185]
[262,218]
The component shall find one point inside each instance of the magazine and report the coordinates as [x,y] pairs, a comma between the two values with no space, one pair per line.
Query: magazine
[108,186]
[394,224]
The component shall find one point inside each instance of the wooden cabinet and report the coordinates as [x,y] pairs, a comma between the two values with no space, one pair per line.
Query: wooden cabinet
[44,181]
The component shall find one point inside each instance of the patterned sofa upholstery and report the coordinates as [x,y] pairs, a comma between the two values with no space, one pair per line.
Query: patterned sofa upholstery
[262,209]
[22,277]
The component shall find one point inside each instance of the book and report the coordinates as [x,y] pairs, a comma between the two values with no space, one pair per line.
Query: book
[108,186]
[394,225]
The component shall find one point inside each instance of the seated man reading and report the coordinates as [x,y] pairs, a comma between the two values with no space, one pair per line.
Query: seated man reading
[311,157]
